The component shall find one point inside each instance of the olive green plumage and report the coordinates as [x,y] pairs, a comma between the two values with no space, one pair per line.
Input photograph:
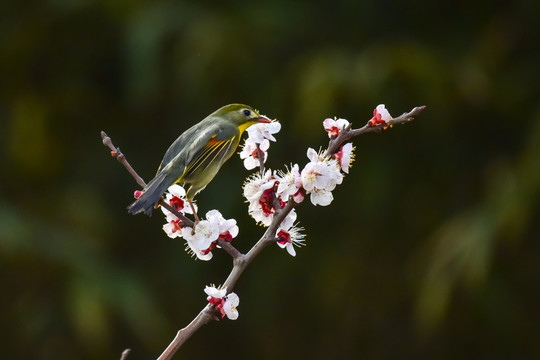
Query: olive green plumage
[197,155]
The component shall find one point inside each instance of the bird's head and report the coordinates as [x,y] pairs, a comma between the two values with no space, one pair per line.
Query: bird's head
[243,116]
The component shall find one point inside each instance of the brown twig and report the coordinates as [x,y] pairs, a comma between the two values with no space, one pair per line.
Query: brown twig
[116,153]
[185,221]
[260,156]
[205,316]
[347,134]
[229,248]
[125,354]
[241,261]
[268,238]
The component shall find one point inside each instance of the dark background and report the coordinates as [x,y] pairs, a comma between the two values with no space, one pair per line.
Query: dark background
[429,251]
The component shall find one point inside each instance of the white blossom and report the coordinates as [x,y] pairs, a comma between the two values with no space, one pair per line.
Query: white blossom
[259,192]
[320,176]
[334,126]
[250,154]
[173,227]
[381,110]
[201,239]
[315,175]
[289,220]
[263,215]
[321,197]
[176,197]
[345,157]
[380,116]
[289,183]
[261,131]
[225,303]
[257,184]
[229,306]
[227,228]
[214,292]
[289,237]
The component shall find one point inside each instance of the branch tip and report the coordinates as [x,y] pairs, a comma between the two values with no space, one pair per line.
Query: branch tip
[125,354]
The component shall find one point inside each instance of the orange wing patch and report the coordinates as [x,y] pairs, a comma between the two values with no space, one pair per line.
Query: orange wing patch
[213,150]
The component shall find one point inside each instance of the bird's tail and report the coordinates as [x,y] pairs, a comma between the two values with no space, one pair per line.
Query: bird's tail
[152,193]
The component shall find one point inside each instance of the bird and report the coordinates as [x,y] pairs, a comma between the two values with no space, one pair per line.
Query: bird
[196,156]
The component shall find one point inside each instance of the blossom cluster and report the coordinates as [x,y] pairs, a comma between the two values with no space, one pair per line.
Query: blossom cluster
[267,192]
[202,239]
[225,303]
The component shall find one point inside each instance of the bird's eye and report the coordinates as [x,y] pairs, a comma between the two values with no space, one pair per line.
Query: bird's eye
[246,112]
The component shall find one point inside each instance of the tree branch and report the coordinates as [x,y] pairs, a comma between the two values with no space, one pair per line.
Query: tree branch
[116,153]
[260,156]
[206,315]
[229,248]
[185,221]
[347,133]
[241,261]
[268,238]
[125,354]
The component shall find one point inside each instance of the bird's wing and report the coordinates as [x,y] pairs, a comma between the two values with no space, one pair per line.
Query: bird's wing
[199,146]
[213,150]
[197,136]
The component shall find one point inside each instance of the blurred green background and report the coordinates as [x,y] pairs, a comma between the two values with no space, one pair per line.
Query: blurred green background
[429,251]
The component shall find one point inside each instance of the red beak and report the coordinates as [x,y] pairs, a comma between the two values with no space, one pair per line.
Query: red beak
[263,119]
